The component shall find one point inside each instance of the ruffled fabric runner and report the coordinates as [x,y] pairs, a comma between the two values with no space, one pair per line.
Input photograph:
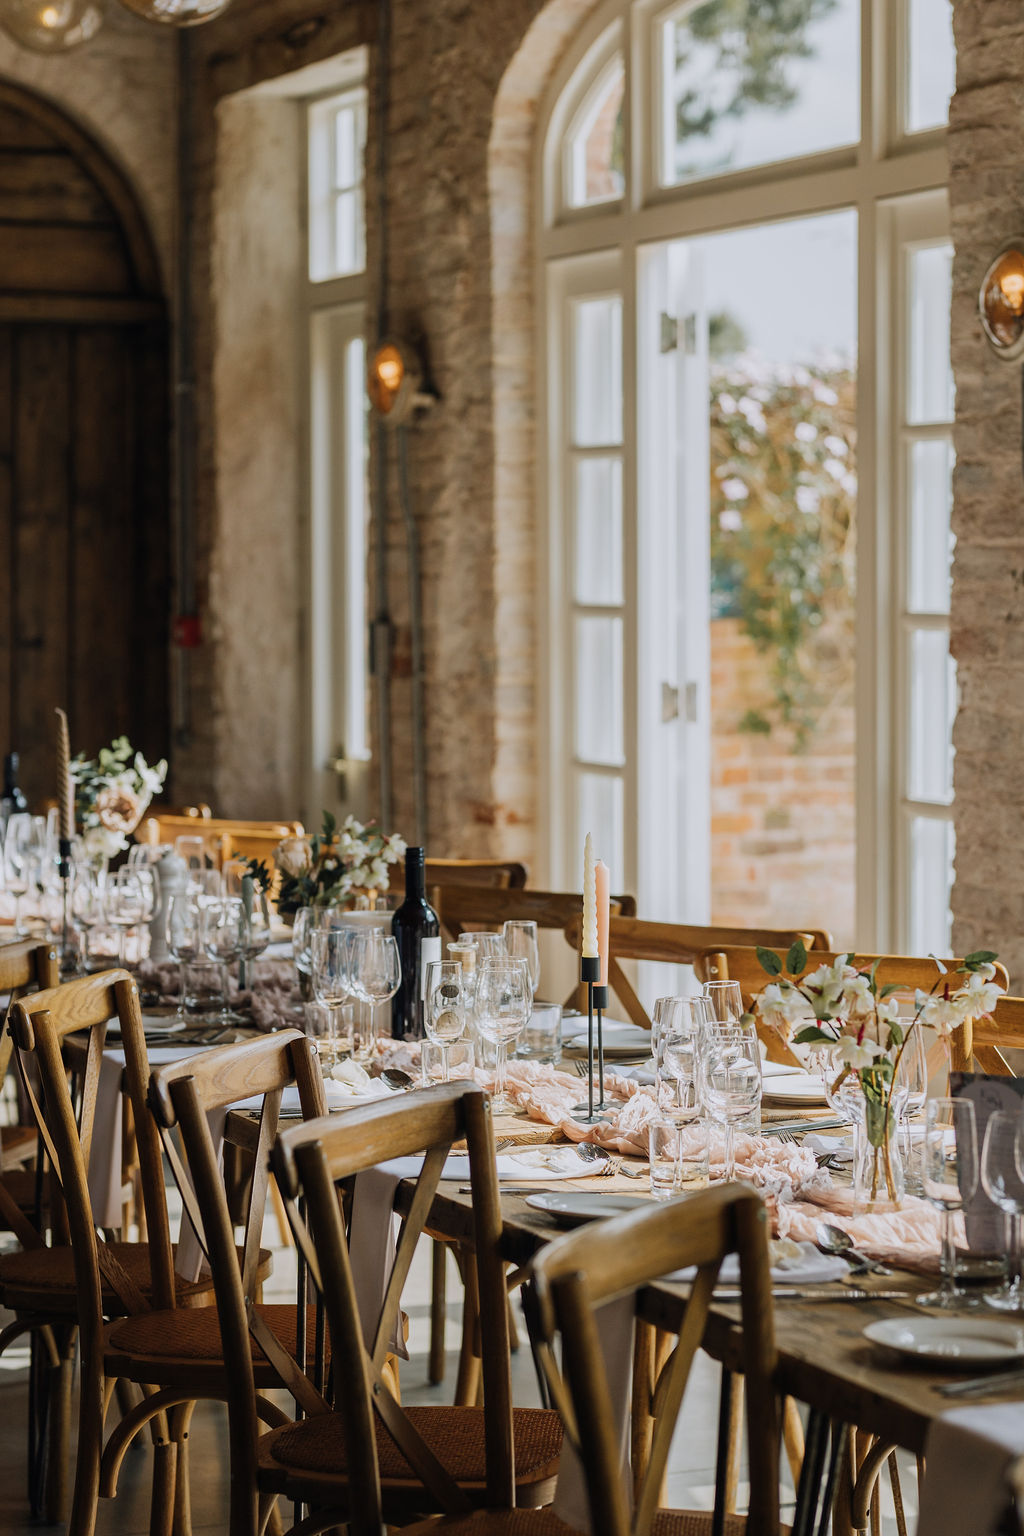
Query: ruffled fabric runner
[275,1000]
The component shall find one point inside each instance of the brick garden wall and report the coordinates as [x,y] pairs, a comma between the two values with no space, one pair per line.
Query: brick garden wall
[782,821]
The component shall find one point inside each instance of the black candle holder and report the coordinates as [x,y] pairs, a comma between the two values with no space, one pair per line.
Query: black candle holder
[67,960]
[590,973]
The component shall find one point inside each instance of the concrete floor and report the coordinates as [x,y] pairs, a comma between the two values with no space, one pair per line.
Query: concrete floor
[691,1472]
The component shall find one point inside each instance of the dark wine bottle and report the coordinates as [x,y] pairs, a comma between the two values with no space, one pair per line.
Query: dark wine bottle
[12,799]
[415,925]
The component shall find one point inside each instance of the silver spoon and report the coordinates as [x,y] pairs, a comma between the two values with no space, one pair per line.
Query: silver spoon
[832,1239]
[588,1153]
[396,1078]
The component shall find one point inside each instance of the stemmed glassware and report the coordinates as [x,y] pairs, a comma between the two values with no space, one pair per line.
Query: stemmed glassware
[504,1002]
[184,937]
[445,1013]
[949,1178]
[730,1059]
[1002,1177]
[17,862]
[225,933]
[682,1026]
[331,971]
[520,935]
[725,999]
[86,903]
[376,973]
[130,900]
[257,911]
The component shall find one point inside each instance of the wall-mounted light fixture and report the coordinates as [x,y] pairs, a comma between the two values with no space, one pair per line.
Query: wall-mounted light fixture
[1001,302]
[394,381]
[51,26]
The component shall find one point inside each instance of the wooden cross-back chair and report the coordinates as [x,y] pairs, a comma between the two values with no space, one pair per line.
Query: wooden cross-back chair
[978,1044]
[568,1282]
[223,839]
[740,963]
[84,1281]
[465,907]
[632,938]
[24,966]
[363,1459]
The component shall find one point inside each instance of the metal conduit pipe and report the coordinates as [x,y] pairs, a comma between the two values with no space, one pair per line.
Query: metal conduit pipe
[381,629]
[412,555]
[184,396]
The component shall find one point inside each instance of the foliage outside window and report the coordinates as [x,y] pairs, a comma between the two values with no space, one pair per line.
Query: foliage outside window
[783,496]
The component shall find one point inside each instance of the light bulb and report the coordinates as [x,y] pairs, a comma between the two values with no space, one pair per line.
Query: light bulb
[176,13]
[52,26]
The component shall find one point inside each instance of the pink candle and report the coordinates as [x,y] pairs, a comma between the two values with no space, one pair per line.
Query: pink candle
[601,876]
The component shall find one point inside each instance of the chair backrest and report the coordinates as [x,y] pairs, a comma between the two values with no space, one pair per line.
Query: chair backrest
[978,1044]
[463,907]
[223,839]
[740,963]
[185,1095]
[579,1273]
[41,1025]
[316,1161]
[23,967]
[632,938]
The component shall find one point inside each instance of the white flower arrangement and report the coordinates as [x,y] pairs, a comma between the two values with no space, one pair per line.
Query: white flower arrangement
[113,791]
[324,870]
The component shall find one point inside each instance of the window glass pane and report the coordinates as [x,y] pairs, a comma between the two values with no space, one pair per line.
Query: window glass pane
[337,148]
[599,690]
[931,373]
[932,708]
[932,848]
[931,542]
[932,58]
[599,801]
[596,145]
[598,552]
[598,372]
[743,85]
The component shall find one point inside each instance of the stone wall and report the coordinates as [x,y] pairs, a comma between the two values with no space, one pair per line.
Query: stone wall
[987,203]
[783,849]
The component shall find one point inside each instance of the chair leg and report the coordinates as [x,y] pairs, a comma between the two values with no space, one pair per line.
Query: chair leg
[180,1420]
[58,1431]
[438,1311]
[469,1379]
[162,1505]
[793,1437]
[92,1401]
[280,1215]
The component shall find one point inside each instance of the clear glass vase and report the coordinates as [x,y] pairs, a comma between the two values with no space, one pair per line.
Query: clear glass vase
[879,1178]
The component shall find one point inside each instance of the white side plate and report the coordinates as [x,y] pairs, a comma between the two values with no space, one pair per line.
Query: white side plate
[951,1340]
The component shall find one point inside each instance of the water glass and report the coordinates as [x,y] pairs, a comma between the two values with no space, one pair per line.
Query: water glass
[910,1093]
[949,1178]
[520,935]
[663,1153]
[1002,1177]
[730,1082]
[679,1157]
[725,1000]
[444,1016]
[542,1038]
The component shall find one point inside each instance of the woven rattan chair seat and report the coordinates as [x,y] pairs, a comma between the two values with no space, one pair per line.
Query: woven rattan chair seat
[455,1435]
[193,1333]
[544,1522]
[44,1278]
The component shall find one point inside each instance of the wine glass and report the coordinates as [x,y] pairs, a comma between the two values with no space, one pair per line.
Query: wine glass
[444,1017]
[193,850]
[130,900]
[730,1059]
[1002,1176]
[725,1000]
[331,957]
[491,946]
[949,1178]
[503,1006]
[257,910]
[683,1024]
[225,931]
[376,977]
[86,903]
[520,935]
[184,937]
[17,861]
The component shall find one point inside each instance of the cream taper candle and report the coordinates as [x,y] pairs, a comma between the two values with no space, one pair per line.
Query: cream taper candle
[601,885]
[65,784]
[589,901]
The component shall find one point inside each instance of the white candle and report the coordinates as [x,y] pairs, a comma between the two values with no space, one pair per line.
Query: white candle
[589,901]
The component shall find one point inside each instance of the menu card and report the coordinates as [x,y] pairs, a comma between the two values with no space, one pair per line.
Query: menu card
[985,1223]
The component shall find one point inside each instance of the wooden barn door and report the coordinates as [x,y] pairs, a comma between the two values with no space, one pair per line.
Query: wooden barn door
[84,506]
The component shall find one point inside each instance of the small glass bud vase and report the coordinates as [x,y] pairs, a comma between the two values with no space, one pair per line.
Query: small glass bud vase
[879,1179]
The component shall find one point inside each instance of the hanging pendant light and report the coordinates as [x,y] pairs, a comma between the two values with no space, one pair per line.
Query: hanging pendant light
[176,13]
[51,26]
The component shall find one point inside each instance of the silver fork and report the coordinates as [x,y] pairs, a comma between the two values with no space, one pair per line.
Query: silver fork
[581,1068]
[784,1136]
[609,1169]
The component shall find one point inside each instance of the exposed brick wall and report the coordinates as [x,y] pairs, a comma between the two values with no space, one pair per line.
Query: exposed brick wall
[782,821]
[987,204]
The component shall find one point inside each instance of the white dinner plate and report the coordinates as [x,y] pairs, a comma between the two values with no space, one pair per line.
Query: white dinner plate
[619,1040]
[806,1089]
[573,1208]
[951,1340]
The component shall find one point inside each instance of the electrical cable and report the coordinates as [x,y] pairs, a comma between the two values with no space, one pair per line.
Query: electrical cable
[381,628]
[412,546]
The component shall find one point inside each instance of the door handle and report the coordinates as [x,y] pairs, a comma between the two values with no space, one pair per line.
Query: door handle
[669,703]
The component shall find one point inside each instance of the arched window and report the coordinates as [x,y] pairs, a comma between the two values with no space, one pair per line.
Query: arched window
[744,280]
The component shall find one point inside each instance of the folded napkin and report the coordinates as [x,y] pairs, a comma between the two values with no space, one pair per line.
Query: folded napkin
[805,1266]
[835,1146]
[967,1458]
[542,1163]
[780,1069]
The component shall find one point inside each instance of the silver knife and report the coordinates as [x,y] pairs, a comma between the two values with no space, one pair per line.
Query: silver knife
[816,1293]
[981,1386]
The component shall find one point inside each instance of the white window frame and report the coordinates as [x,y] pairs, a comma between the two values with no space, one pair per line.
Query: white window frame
[887,166]
[332,323]
[325,190]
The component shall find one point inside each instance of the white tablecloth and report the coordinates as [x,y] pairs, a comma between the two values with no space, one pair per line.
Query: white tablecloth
[968,1455]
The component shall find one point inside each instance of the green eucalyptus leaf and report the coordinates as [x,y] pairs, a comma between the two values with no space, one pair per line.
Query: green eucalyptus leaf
[809,1035]
[979,958]
[796,960]
[770,961]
